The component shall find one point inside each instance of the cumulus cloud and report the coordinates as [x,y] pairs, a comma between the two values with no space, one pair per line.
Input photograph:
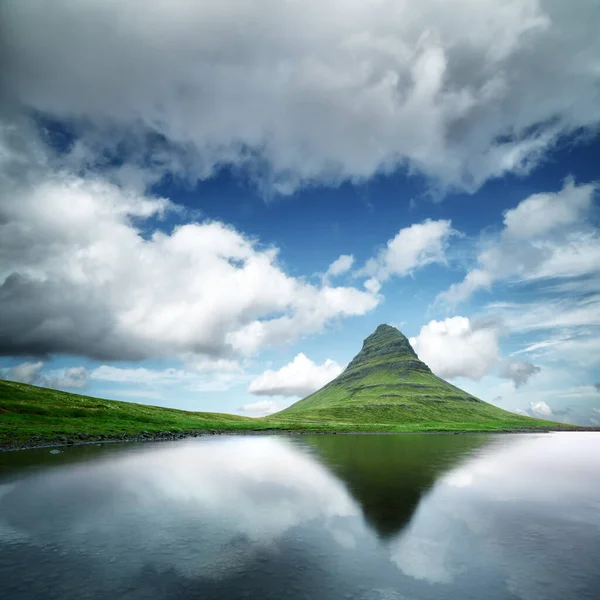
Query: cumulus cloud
[459,347]
[537,409]
[540,214]
[546,236]
[540,409]
[302,92]
[27,372]
[550,241]
[454,348]
[261,408]
[33,373]
[84,270]
[300,377]
[71,377]
[411,248]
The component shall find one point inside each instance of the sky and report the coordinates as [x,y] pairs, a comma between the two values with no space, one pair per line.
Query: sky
[210,205]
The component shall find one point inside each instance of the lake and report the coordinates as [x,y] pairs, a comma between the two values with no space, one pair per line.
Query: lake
[373,517]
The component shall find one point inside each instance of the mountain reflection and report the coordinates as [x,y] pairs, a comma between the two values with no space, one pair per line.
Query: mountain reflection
[389,474]
[300,518]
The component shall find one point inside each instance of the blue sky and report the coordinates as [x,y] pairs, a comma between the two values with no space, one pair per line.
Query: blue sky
[197,218]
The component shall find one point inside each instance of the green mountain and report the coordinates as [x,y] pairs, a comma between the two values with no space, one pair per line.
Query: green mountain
[386,383]
[385,388]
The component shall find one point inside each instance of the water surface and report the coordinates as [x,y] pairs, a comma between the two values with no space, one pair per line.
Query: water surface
[374,517]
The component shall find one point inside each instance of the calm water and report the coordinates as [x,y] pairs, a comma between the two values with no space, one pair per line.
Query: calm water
[366,517]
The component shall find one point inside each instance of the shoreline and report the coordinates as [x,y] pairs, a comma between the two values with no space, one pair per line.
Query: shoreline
[171,437]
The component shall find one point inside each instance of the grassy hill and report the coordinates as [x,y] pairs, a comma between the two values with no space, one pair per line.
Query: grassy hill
[386,383]
[29,413]
[385,388]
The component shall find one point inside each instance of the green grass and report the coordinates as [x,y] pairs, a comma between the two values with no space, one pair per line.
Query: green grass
[386,385]
[33,414]
[27,411]
[386,388]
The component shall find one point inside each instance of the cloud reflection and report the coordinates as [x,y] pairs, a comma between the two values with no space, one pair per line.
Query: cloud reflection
[524,510]
[199,506]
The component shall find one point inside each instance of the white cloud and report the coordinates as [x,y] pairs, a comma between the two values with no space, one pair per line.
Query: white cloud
[540,214]
[550,244]
[566,330]
[143,394]
[82,271]
[457,347]
[70,377]
[411,248]
[302,92]
[261,408]
[540,409]
[372,285]
[300,377]
[203,364]
[550,313]
[27,372]
[473,281]
[162,378]
[546,236]
[558,385]
[453,348]
[33,373]
[340,265]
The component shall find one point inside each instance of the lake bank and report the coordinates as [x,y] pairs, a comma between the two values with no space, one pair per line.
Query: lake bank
[173,436]
[33,417]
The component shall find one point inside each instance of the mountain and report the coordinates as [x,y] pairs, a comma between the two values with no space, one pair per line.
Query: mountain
[387,383]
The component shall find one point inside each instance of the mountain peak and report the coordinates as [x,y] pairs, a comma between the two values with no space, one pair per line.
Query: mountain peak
[386,384]
[385,341]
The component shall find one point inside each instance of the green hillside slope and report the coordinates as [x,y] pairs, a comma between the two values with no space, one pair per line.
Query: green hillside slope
[29,413]
[386,383]
[385,388]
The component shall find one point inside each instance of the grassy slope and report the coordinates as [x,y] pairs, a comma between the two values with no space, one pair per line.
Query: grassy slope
[27,410]
[385,388]
[387,384]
